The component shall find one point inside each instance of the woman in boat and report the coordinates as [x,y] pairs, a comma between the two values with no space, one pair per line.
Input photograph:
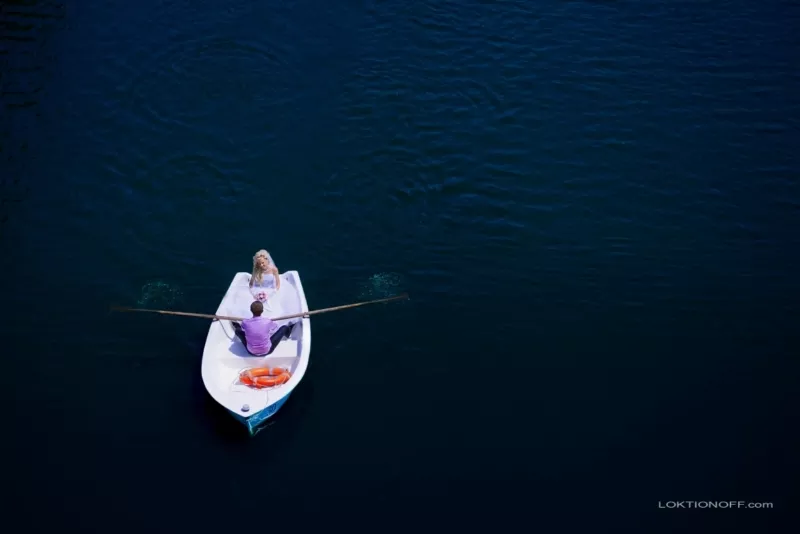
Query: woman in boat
[263,265]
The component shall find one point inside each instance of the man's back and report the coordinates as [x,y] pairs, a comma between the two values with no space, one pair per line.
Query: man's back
[258,331]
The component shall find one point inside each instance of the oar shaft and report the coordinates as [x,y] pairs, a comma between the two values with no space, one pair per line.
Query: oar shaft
[182,314]
[335,308]
[225,317]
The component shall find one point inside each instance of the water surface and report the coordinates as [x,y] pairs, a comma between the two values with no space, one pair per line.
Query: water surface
[594,206]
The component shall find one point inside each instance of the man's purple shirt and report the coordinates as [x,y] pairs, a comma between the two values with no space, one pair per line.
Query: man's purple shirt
[257,331]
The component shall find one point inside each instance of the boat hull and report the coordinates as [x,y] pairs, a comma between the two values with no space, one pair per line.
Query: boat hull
[257,421]
[225,356]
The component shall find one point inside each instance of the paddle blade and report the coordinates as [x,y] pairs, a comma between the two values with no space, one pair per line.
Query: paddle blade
[381,285]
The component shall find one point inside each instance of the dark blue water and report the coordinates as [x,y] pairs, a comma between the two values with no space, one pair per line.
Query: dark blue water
[594,205]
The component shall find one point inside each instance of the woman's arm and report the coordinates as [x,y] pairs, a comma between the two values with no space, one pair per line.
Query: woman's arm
[274,270]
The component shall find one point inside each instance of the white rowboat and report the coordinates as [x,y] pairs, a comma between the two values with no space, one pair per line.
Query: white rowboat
[225,356]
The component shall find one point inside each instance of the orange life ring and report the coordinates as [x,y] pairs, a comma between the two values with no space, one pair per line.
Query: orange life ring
[265,377]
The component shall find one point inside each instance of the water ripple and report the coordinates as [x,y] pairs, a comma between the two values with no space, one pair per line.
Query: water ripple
[257,75]
[26,61]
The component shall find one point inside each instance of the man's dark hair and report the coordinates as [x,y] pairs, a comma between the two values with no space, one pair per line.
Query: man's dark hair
[256,308]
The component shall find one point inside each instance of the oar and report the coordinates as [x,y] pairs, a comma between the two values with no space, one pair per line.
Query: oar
[225,317]
[335,308]
[184,314]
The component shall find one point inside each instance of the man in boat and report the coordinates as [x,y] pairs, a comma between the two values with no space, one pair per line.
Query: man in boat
[261,335]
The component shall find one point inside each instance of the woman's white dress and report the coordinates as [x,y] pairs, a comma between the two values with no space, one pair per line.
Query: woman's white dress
[266,289]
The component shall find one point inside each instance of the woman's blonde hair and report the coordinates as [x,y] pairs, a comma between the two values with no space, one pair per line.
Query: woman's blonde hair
[258,274]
